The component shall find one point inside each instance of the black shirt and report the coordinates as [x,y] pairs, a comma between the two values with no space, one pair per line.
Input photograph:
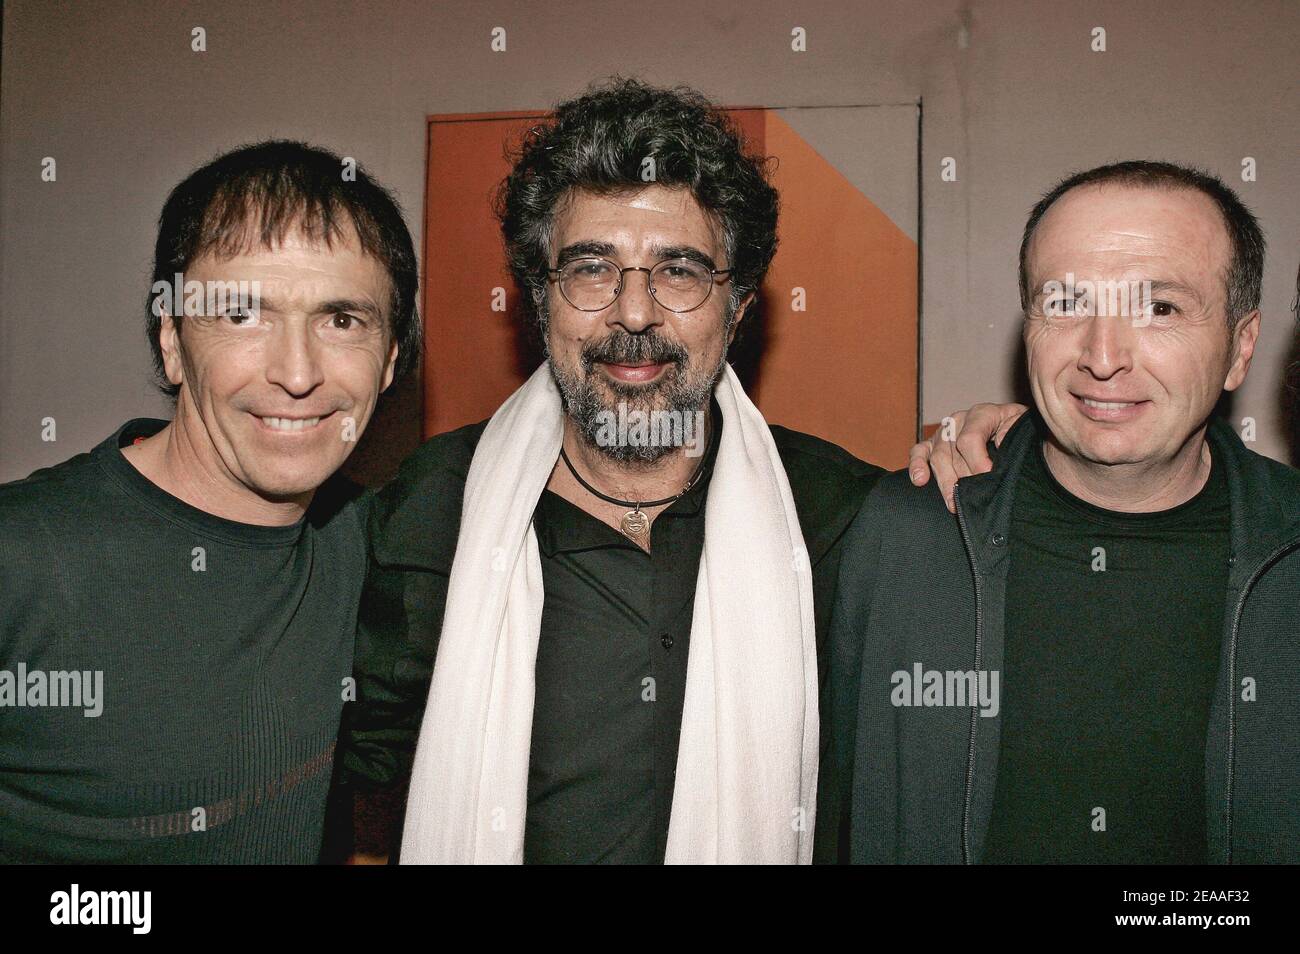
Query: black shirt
[221,648]
[1113,629]
[611,678]
[603,758]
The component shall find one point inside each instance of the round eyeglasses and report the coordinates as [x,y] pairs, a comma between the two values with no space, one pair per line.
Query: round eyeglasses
[679,284]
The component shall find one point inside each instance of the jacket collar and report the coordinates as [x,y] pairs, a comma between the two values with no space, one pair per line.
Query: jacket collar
[1263,495]
[1265,499]
[984,501]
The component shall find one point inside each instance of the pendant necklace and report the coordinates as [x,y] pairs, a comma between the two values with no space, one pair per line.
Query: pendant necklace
[634,524]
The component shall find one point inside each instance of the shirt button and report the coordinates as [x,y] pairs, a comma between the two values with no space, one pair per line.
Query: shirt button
[666,640]
[999,539]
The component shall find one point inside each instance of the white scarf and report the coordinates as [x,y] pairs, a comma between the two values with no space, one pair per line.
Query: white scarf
[747,763]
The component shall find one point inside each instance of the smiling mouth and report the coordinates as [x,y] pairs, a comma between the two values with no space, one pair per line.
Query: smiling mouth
[291,425]
[634,373]
[1099,410]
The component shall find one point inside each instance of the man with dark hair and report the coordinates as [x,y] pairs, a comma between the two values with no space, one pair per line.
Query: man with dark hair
[178,609]
[1117,673]
[177,621]
[602,610]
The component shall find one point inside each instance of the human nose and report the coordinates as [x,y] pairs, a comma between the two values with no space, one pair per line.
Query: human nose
[636,308]
[1107,346]
[294,362]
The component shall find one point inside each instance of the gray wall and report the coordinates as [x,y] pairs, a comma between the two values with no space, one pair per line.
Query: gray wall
[114,93]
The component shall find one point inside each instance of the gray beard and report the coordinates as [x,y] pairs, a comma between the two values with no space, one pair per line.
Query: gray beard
[683,393]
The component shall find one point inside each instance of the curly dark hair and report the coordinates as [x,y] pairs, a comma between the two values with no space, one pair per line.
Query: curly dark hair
[254,195]
[599,142]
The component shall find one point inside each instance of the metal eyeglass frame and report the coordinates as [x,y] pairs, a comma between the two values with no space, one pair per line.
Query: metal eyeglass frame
[713,272]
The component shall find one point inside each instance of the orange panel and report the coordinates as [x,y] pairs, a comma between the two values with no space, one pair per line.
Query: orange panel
[846,368]
[471,361]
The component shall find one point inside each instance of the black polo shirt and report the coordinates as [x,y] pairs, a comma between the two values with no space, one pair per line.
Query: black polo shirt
[603,757]
[611,679]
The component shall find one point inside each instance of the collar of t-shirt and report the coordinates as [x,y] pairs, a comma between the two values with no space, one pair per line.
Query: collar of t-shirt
[174,510]
[1211,494]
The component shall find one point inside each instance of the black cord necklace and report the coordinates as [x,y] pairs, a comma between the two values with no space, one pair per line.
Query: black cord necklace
[635,523]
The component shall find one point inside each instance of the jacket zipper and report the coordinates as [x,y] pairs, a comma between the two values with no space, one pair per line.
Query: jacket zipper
[974,712]
[1232,688]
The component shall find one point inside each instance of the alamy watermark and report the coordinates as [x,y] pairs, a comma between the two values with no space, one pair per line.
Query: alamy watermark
[128,908]
[196,299]
[956,688]
[1083,298]
[56,689]
[633,427]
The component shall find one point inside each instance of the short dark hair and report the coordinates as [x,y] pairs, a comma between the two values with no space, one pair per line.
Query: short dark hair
[255,195]
[599,142]
[1245,269]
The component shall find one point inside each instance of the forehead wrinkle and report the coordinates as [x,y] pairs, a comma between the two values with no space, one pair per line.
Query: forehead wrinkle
[1174,221]
[1111,258]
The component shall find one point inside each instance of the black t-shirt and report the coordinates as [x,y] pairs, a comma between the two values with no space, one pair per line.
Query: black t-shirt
[214,651]
[1113,628]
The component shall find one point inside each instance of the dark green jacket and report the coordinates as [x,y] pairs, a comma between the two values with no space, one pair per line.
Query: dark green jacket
[918,585]
[414,526]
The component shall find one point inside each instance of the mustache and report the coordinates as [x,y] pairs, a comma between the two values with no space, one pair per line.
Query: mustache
[623,348]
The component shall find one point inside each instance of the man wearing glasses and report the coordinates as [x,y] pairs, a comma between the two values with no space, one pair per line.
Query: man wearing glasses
[558,565]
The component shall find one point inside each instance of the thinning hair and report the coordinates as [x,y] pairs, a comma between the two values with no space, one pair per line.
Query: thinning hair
[1245,269]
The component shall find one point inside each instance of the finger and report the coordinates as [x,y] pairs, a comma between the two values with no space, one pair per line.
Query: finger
[1010,414]
[971,455]
[972,443]
[918,463]
[944,463]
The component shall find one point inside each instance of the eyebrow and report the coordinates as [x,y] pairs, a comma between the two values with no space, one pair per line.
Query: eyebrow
[583,250]
[331,307]
[1166,285]
[336,305]
[665,252]
[661,253]
[1157,286]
